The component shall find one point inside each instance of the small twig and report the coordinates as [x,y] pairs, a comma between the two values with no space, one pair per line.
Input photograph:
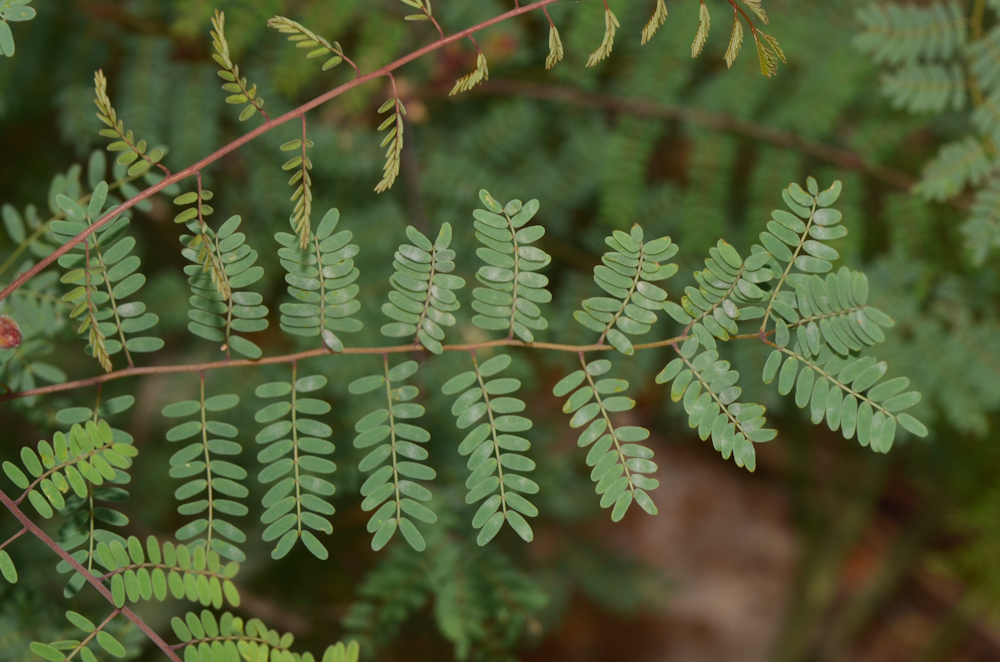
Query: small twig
[312,353]
[13,537]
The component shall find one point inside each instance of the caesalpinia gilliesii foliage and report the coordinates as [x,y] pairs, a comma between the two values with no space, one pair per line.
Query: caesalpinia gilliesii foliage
[815,324]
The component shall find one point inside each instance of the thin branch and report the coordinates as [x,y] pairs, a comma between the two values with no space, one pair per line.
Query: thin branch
[91,579]
[262,129]
[93,633]
[312,353]
[838,156]
[13,537]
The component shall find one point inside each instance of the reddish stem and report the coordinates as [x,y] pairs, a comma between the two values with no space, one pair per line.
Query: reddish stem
[288,358]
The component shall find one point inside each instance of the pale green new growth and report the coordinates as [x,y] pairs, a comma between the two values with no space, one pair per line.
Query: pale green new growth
[303,37]
[608,42]
[701,36]
[394,139]
[768,52]
[302,196]
[133,153]
[735,40]
[658,18]
[239,92]
[203,242]
[474,77]
[758,11]
[555,47]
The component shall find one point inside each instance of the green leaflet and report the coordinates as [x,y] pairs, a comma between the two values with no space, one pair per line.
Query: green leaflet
[423,297]
[62,475]
[7,569]
[99,287]
[512,287]
[209,639]
[295,455]
[12,14]
[619,463]
[494,447]
[829,312]
[90,462]
[211,485]
[833,388]
[628,273]
[223,265]
[729,289]
[156,570]
[321,281]
[394,458]
[707,386]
